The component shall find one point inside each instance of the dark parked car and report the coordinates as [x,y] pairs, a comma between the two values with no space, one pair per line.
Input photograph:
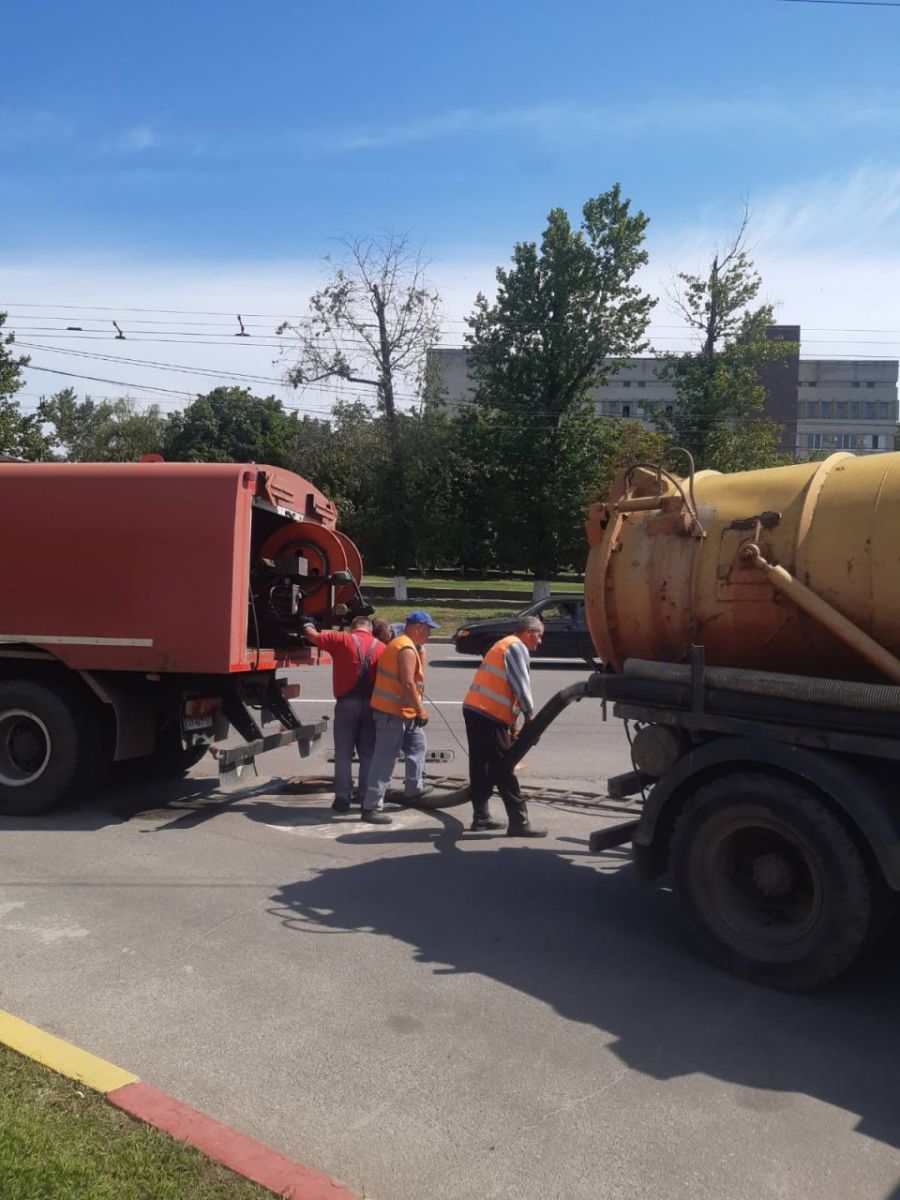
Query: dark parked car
[565,629]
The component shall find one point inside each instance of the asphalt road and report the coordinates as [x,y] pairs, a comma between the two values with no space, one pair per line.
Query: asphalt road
[433,1015]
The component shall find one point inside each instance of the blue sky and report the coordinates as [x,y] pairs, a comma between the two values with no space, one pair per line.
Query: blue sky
[201,156]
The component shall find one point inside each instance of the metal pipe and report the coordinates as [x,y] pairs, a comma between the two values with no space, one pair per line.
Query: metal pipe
[639,504]
[875,697]
[820,610]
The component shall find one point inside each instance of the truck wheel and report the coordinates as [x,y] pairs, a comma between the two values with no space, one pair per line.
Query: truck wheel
[49,746]
[772,884]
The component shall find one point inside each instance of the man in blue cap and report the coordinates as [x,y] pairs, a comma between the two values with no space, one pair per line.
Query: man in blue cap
[398,706]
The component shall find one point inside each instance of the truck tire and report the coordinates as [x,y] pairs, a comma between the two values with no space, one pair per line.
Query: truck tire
[50,745]
[772,884]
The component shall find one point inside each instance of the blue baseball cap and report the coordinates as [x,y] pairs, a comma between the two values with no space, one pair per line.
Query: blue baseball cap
[421,618]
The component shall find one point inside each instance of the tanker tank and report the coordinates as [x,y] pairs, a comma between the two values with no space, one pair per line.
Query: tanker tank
[791,569]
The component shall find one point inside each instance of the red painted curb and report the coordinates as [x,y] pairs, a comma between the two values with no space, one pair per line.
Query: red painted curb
[234,1150]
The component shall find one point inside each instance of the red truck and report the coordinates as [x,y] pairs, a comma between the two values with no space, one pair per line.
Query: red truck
[145,611]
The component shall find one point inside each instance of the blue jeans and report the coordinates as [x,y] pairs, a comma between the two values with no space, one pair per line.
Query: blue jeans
[354,729]
[393,734]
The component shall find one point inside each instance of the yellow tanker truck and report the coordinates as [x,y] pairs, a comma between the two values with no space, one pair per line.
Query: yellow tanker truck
[749,631]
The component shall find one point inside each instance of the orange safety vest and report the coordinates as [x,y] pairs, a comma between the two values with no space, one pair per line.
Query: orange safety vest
[387,694]
[491,692]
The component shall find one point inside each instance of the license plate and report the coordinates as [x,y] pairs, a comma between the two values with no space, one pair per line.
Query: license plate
[196,723]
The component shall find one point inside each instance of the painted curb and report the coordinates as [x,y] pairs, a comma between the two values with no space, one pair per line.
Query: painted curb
[245,1157]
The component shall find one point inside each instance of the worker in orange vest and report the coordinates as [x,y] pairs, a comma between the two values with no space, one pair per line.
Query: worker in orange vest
[400,717]
[500,691]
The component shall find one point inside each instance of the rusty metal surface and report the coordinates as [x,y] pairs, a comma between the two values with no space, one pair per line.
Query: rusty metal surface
[653,586]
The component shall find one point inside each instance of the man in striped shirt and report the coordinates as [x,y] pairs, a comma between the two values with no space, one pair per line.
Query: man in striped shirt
[500,691]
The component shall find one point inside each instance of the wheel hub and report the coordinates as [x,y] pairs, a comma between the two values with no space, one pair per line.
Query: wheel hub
[24,748]
[772,874]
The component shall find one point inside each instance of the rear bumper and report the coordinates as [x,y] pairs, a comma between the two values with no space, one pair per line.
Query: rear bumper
[235,757]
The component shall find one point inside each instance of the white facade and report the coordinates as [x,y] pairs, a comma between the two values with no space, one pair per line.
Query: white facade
[847,404]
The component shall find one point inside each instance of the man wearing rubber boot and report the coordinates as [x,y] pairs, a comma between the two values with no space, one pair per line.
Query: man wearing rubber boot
[500,690]
[400,717]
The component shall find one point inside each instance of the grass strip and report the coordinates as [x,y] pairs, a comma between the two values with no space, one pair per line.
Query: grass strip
[449,614]
[504,584]
[61,1141]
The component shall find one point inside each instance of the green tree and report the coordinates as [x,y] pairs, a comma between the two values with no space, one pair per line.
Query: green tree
[101,431]
[229,424]
[719,397]
[370,326]
[343,456]
[565,315]
[21,435]
[350,458]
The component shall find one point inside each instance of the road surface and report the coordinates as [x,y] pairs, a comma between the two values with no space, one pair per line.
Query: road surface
[428,1014]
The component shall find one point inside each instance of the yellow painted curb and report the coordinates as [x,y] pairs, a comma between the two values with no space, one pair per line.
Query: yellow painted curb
[61,1056]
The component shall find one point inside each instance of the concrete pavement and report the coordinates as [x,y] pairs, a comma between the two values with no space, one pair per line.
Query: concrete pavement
[424,1013]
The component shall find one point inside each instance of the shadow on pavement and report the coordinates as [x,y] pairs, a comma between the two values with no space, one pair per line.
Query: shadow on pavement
[186,801]
[605,951]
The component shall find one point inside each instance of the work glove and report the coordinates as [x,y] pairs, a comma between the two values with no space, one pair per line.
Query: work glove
[421,721]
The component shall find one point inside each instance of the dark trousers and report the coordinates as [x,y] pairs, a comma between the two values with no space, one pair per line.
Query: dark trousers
[488,768]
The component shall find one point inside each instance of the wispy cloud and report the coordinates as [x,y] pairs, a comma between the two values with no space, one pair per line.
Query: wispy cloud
[853,213]
[827,249]
[140,137]
[575,121]
[859,211]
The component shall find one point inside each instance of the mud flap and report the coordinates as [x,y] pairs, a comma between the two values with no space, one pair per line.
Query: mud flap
[239,760]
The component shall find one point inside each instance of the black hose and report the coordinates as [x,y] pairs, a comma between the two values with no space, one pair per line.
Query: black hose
[532,731]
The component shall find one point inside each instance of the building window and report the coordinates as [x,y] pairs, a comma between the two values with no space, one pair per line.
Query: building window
[884,411]
[626,410]
[854,410]
[812,383]
[612,408]
[870,410]
[670,410]
[875,441]
[812,408]
[641,383]
[840,410]
[855,383]
[870,385]
[626,383]
[827,409]
[814,441]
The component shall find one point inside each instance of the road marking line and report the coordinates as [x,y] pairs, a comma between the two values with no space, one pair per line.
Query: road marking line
[62,1057]
[336,829]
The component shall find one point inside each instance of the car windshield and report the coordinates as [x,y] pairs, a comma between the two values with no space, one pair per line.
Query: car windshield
[552,610]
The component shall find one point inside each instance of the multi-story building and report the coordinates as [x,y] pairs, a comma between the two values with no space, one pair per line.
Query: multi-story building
[820,404]
[846,404]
